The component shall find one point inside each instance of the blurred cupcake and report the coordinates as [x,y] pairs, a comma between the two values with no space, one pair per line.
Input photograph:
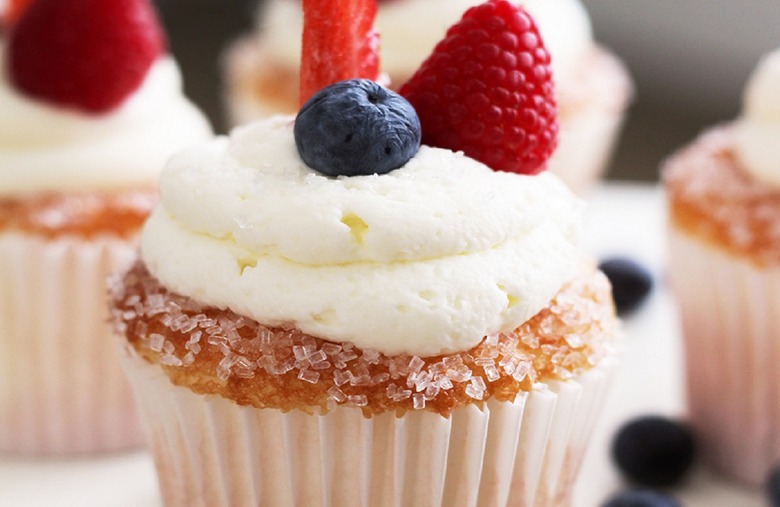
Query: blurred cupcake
[327,313]
[593,87]
[724,206]
[87,124]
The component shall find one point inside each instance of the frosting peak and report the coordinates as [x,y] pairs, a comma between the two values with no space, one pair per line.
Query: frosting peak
[758,129]
[427,259]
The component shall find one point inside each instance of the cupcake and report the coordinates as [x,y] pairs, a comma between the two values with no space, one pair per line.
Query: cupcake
[593,87]
[724,221]
[87,124]
[327,313]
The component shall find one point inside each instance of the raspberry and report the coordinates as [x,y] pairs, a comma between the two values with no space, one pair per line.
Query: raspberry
[487,90]
[87,54]
[339,43]
[14,11]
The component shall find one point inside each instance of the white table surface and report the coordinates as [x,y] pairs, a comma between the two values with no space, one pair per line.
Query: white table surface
[623,219]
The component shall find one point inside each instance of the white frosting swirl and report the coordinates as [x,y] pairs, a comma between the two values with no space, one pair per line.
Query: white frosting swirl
[45,147]
[426,259]
[758,129]
[409,29]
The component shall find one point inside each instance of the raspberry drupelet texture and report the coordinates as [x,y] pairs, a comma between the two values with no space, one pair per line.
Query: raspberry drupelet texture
[86,54]
[487,90]
[213,351]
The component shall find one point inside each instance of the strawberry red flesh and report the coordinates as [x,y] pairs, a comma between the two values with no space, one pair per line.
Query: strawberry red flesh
[86,54]
[487,90]
[339,43]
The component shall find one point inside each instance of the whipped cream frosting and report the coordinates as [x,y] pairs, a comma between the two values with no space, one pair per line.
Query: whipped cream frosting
[44,147]
[758,128]
[409,30]
[427,259]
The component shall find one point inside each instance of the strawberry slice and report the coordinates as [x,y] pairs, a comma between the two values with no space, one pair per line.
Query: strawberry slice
[339,42]
[14,10]
[86,54]
[487,90]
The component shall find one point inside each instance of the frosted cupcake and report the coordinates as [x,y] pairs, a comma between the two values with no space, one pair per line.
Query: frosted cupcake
[78,177]
[593,87]
[724,205]
[314,323]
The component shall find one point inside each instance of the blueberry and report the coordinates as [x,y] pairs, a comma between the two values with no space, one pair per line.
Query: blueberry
[631,283]
[356,127]
[773,486]
[654,451]
[640,498]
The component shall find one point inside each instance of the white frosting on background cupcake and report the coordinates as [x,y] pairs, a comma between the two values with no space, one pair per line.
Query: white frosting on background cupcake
[426,259]
[409,30]
[758,129]
[45,147]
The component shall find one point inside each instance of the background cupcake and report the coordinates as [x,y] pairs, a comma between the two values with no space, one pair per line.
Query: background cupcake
[417,330]
[593,88]
[724,206]
[87,124]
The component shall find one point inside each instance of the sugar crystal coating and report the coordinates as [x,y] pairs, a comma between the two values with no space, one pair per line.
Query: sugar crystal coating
[84,215]
[214,351]
[713,198]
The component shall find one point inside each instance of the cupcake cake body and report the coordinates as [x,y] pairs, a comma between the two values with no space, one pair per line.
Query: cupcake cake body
[75,188]
[593,87]
[724,206]
[430,336]
[328,313]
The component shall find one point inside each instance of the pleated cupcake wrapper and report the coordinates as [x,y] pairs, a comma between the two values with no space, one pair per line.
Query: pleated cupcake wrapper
[62,389]
[209,451]
[730,312]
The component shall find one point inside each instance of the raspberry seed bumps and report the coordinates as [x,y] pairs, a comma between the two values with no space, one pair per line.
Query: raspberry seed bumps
[487,90]
[117,43]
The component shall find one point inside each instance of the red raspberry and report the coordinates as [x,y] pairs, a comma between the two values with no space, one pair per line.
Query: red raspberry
[339,43]
[14,10]
[87,54]
[487,90]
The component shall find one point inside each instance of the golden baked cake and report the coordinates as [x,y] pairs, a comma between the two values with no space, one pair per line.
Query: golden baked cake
[79,159]
[328,312]
[723,194]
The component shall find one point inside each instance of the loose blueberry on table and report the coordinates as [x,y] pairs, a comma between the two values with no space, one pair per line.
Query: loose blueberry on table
[654,451]
[631,283]
[773,486]
[640,498]
[356,127]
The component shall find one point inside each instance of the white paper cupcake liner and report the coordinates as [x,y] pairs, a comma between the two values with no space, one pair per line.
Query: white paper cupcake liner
[730,312]
[210,451]
[62,389]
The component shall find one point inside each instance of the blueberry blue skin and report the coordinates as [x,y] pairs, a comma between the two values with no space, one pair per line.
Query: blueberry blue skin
[631,283]
[356,127]
[773,486]
[640,498]
[654,451]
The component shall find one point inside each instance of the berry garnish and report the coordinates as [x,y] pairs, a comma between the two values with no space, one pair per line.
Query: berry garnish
[487,90]
[640,498]
[773,486]
[14,10]
[631,283]
[87,54]
[654,451]
[356,127]
[339,43]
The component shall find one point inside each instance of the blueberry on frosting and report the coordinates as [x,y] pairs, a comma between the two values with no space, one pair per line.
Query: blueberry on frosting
[356,127]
